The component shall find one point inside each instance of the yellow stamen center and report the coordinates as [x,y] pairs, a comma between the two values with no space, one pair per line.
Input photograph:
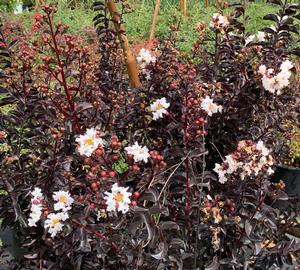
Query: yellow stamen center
[63,199]
[159,106]
[88,141]
[119,197]
[55,221]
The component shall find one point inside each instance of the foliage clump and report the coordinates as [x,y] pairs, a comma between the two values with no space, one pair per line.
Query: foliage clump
[174,174]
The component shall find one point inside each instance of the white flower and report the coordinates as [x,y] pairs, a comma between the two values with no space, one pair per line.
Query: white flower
[274,83]
[36,207]
[249,39]
[262,69]
[209,106]
[221,173]
[286,65]
[35,215]
[118,199]
[159,107]
[145,57]
[89,142]
[261,147]
[37,193]
[139,153]
[247,169]
[63,200]
[233,165]
[269,84]
[54,223]
[32,222]
[219,22]
[261,36]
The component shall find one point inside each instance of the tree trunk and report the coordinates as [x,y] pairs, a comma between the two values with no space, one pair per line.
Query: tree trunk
[155,17]
[36,6]
[129,57]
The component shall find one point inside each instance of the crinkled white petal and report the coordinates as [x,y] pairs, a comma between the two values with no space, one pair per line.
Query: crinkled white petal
[118,199]
[89,142]
[54,223]
[139,153]
[159,107]
[210,107]
[63,200]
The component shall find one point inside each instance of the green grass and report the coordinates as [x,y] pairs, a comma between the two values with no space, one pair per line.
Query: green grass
[138,23]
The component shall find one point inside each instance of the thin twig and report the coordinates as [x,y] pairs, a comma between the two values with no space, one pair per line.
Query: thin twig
[172,173]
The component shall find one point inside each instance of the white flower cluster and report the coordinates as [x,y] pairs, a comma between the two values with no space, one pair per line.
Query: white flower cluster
[250,158]
[159,107]
[210,107]
[260,36]
[89,142]
[144,59]
[63,202]
[118,199]
[36,207]
[53,223]
[138,152]
[274,83]
[219,22]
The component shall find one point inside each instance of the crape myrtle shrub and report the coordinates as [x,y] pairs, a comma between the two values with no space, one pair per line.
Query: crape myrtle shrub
[171,175]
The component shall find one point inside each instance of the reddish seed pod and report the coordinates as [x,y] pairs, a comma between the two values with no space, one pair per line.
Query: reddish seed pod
[94,169]
[173,85]
[36,202]
[115,157]
[136,194]
[46,213]
[112,174]
[90,175]
[163,164]
[114,138]
[94,185]
[154,157]
[135,167]
[134,203]
[103,174]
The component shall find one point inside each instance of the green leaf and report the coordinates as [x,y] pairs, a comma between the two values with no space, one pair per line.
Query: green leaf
[121,166]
